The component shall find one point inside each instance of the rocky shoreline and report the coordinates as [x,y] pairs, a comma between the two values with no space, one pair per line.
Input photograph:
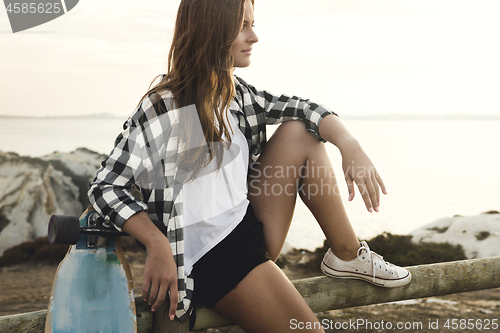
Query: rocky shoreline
[32,189]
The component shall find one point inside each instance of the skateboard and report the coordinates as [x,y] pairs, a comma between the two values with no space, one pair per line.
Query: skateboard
[92,290]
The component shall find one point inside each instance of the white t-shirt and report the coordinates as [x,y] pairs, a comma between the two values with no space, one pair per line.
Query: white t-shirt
[216,201]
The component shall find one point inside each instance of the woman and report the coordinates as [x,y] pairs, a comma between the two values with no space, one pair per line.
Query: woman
[216,204]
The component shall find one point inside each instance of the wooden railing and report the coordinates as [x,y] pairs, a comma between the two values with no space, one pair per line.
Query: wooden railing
[320,293]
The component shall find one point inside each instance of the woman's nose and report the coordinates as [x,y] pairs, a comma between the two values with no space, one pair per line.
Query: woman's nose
[254,38]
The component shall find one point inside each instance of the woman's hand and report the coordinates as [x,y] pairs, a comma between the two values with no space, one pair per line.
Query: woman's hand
[160,277]
[359,170]
[160,271]
[357,166]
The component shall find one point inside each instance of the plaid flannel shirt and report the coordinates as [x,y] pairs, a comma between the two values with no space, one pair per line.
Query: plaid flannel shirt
[110,191]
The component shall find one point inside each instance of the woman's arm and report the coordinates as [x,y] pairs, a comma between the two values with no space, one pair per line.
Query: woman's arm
[280,108]
[110,193]
[324,125]
[160,271]
[134,160]
[357,166]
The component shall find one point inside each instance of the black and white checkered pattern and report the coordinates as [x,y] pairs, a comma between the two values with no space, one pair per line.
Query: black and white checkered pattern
[149,145]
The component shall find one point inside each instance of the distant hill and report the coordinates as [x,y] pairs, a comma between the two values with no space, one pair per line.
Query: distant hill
[400,116]
[93,115]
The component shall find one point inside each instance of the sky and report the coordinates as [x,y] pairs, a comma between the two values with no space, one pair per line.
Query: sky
[358,57]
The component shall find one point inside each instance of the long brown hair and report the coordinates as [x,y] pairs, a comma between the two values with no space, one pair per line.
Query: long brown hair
[200,65]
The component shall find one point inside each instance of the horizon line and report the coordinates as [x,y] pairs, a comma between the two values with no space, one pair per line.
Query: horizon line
[356,116]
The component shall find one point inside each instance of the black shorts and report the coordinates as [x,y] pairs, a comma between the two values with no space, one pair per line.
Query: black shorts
[225,265]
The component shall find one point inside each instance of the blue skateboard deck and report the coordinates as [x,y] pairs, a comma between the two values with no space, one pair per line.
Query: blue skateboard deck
[92,289]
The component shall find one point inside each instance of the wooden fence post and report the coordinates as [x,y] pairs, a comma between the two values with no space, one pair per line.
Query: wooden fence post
[163,324]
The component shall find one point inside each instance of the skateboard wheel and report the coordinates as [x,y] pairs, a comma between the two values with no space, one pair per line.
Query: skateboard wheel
[64,229]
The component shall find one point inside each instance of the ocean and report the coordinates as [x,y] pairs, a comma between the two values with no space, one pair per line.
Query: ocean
[432,168]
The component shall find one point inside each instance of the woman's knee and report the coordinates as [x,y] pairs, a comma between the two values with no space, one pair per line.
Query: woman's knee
[294,133]
[294,128]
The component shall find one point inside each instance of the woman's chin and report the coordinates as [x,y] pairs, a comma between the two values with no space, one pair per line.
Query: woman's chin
[242,63]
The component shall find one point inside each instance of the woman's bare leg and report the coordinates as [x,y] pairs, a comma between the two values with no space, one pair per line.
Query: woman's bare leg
[293,160]
[266,301]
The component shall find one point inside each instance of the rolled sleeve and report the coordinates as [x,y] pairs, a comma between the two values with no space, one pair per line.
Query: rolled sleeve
[281,108]
[115,204]
[314,114]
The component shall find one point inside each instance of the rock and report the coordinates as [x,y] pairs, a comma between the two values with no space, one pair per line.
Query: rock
[32,189]
[479,235]
[80,165]
[81,162]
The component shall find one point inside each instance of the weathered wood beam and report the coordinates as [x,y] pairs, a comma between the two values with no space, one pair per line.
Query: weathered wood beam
[31,322]
[34,322]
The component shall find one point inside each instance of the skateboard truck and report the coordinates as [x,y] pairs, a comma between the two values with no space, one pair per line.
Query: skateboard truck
[93,222]
[67,229]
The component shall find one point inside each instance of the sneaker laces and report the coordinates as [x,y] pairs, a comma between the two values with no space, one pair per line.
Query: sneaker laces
[377,260]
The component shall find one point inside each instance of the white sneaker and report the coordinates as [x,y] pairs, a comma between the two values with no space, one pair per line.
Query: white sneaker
[368,266]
